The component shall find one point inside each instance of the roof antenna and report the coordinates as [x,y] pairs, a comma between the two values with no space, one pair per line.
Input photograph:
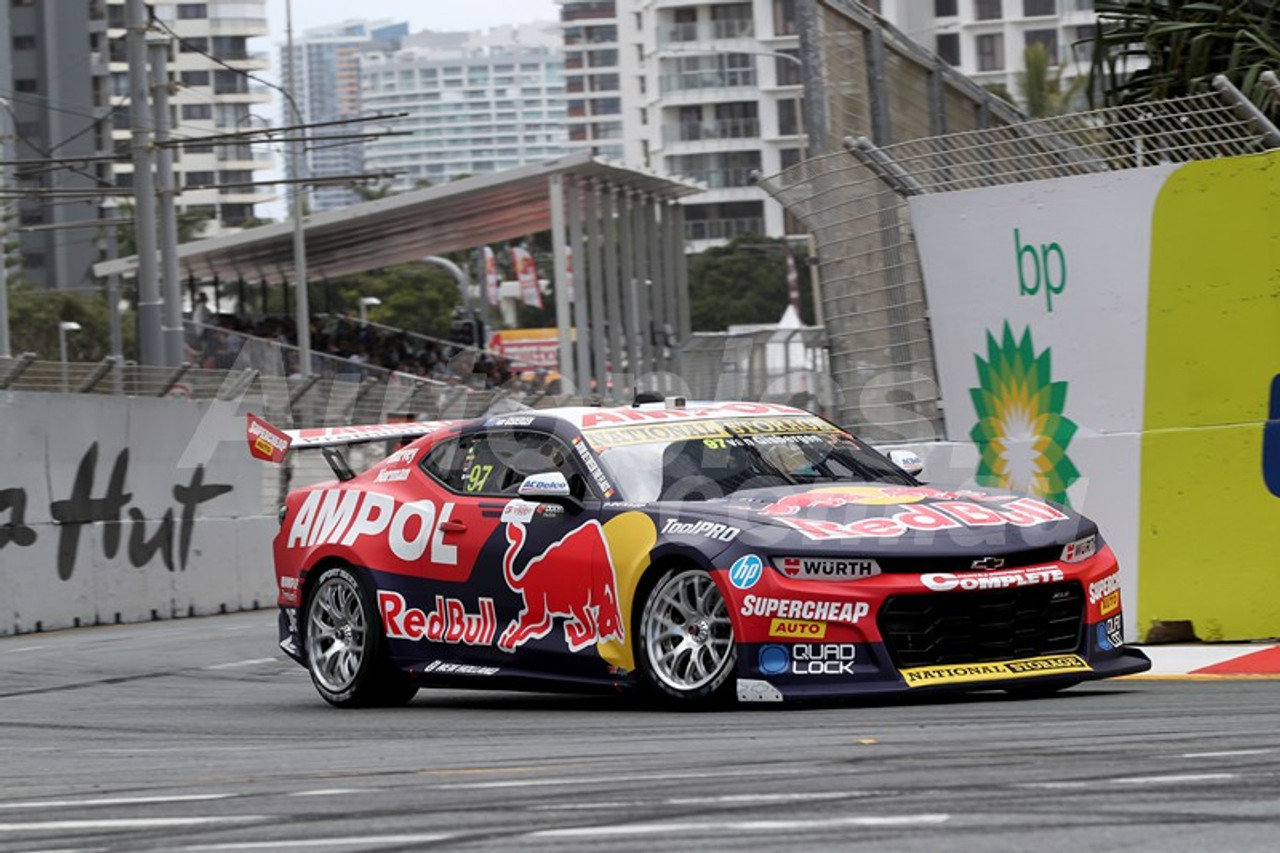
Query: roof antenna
[643,397]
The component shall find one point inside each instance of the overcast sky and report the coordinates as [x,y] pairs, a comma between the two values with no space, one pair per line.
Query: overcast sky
[421,14]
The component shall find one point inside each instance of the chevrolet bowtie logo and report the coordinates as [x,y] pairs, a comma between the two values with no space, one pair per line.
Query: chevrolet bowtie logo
[988,563]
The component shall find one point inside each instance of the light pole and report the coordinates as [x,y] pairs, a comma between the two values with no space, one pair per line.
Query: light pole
[302,307]
[64,327]
[6,123]
[365,303]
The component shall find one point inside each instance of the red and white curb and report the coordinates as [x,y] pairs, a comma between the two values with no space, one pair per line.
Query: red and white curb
[1256,660]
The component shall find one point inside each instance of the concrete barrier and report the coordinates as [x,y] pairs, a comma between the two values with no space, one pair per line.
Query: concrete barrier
[100,523]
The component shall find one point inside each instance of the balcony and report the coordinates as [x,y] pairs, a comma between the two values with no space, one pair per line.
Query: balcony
[722,229]
[704,31]
[692,81]
[721,179]
[695,131]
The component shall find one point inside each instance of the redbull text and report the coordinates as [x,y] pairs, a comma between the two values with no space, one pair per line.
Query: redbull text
[448,623]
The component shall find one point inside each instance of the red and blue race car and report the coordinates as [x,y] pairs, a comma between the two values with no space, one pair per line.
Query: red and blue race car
[700,553]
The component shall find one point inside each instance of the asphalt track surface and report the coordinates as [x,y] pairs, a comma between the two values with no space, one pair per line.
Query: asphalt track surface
[197,735]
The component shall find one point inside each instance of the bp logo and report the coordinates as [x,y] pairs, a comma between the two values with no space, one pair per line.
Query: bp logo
[1021,431]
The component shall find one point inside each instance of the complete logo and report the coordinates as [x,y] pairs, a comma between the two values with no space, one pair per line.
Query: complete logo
[745,571]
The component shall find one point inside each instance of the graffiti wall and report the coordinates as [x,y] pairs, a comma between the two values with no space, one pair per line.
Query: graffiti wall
[101,522]
[1108,341]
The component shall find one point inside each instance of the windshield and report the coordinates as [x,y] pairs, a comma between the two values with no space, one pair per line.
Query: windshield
[738,456]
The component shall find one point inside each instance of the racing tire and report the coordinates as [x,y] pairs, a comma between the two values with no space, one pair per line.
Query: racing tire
[685,650]
[346,649]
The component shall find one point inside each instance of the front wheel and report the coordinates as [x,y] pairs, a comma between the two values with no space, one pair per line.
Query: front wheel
[686,651]
[346,650]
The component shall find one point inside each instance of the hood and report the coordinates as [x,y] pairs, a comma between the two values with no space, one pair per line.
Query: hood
[895,520]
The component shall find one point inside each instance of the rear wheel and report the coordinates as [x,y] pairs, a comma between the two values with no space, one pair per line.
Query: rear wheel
[686,651]
[346,649]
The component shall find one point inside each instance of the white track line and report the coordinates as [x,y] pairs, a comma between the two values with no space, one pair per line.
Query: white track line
[126,823]
[331,792]
[239,663]
[742,826]
[1226,753]
[726,800]
[113,801]
[598,780]
[362,842]
[1174,779]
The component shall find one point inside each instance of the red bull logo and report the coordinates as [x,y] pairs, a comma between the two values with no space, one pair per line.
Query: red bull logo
[839,496]
[565,581]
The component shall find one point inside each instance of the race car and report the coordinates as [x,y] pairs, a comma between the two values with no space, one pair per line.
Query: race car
[700,553]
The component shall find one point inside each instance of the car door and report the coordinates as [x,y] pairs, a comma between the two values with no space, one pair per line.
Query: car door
[547,556]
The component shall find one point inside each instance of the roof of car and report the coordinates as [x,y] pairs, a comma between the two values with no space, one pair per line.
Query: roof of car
[598,417]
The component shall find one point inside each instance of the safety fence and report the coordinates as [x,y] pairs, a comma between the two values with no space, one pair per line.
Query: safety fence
[888,120]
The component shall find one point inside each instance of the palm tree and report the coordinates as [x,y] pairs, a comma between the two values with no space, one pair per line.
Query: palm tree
[1186,43]
[1042,88]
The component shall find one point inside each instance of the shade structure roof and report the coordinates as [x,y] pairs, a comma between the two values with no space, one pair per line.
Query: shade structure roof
[434,220]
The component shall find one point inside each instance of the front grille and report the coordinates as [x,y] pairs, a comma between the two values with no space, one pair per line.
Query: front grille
[983,625]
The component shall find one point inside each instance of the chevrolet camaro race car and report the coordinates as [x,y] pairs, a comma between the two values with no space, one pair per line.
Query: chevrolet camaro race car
[698,553]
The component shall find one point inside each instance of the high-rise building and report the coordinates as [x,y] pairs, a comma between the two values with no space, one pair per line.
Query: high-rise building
[54,100]
[713,90]
[986,39]
[603,80]
[327,90]
[211,96]
[474,103]
[724,101]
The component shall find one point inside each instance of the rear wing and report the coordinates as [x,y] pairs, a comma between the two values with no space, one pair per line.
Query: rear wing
[271,444]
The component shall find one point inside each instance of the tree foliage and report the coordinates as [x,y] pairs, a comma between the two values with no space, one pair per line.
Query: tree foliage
[415,297]
[744,281]
[1185,45]
[34,315]
[1040,80]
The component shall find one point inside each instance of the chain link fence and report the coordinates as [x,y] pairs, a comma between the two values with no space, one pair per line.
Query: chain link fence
[896,121]
[776,365]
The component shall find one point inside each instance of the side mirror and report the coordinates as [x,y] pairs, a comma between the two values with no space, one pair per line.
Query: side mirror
[549,487]
[908,461]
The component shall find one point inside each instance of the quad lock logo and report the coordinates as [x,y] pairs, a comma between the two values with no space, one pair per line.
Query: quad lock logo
[808,659]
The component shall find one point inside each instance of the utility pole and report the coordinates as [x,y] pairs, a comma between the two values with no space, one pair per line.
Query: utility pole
[150,343]
[302,309]
[6,131]
[158,48]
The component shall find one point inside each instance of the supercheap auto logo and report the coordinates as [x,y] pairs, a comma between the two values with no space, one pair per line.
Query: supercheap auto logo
[1021,431]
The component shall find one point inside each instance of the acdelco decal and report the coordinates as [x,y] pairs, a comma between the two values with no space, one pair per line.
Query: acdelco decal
[946,581]
[1106,593]
[334,516]
[1023,512]
[448,623]
[848,612]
